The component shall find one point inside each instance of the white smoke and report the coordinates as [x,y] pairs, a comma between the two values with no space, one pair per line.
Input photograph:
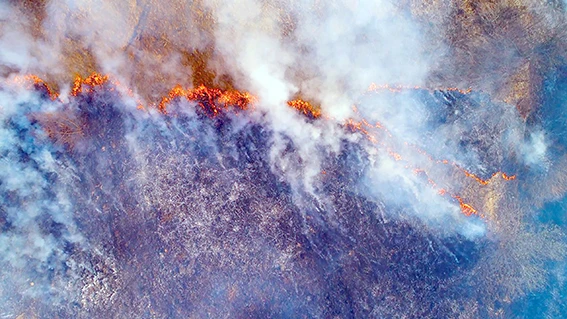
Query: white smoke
[36,211]
[534,150]
[327,53]
[331,55]
[277,50]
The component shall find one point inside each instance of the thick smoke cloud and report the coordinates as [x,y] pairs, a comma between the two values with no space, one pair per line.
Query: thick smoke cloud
[403,146]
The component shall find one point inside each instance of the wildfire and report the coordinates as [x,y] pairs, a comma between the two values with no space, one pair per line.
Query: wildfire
[363,127]
[242,100]
[306,108]
[464,171]
[213,100]
[176,92]
[89,83]
[210,99]
[394,155]
[487,181]
[31,80]
[467,209]
[369,131]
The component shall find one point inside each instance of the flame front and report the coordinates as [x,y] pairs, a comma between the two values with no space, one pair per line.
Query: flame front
[214,101]
[209,99]
[305,108]
[89,83]
[30,81]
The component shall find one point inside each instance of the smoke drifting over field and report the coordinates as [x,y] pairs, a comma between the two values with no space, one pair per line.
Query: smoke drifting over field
[278,159]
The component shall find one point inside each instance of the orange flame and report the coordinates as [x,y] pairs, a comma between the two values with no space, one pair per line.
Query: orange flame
[210,99]
[360,127]
[213,100]
[467,209]
[176,92]
[236,98]
[305,107]
[91,82]
[464,171]
[487,181]
[395,155]
[31,80]
[76,89]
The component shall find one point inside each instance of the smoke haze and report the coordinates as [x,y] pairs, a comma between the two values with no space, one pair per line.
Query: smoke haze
[414,178]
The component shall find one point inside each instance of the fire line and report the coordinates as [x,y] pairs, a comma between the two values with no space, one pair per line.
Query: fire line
[214,101]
